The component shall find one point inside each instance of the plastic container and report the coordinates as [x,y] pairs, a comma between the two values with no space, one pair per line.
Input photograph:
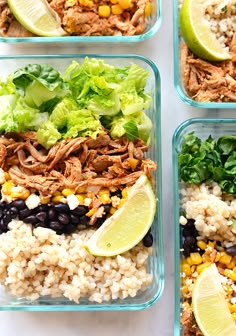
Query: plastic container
[177,70]
[156,261]
[202,128]
[153,24]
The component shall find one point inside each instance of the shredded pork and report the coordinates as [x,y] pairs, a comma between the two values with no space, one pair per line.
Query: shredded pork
[189,324]
[81,18]
[73,163]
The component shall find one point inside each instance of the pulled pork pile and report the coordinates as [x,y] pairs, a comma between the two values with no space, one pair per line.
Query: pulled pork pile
[189,324]
[81,17]
[206,81]
[73,163]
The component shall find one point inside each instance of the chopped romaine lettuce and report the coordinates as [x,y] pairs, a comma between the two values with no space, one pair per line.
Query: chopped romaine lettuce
[48,135]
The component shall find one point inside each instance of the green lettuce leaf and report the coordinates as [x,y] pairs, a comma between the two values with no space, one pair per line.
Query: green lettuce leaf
[48,135]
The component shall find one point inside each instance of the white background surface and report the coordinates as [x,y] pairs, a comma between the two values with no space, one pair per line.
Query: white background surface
[159,319]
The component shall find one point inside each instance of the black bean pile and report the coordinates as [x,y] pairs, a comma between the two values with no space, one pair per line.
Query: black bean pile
[57,217]
[189,240]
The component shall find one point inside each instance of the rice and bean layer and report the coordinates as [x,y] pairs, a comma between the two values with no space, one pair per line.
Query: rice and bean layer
[208,235]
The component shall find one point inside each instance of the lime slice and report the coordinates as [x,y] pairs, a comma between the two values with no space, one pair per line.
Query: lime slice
[209,305]
[128,225]
[37,17]
[197,34]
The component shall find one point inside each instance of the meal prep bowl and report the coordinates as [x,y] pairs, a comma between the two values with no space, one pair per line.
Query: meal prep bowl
[178,83]
[202,128]
[156,262]
[153,24]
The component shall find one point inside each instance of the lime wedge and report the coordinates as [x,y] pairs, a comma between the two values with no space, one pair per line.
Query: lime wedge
[209,305]
[128,225]
[37,17]
[197,34]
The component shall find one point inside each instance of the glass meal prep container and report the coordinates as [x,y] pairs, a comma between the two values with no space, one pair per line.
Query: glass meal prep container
[153,292]
[202,128]
[178,82]
[152,26]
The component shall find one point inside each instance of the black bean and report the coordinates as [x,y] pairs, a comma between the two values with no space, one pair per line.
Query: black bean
[69,228]
[40,224]
[186,232]
[51,213]
[148,240]
[61,207]
[42,208]
[84,220]
[24,213]
[13,212]
[186,251]
[231,250]
[41,216]
[56,225]
[74,219]
[190,241]
[63,218]
[107,208]
[6,219]
[99,222]
[19,204]
[31,220]
[116,193]
[1,212]
[80,210]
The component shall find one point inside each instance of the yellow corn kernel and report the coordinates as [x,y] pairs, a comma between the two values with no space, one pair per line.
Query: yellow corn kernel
[104,11]
[186,305]
[229,289]
[225,258]
[232,308]
[234,316]
[184,290]
[121,203]
[7,176]
[7,187]
[132,162]
[206,258]
[105,199]
[113,1]
[24,194]
[149,9]
[91,212]
[234,269]
[186,269]
[189,261]
[116,10]
[201,244]
[80,198]
[125,192]
[231,264]
[217,257]
[56,193]
[67,192]
[125,4]
[193,268]
[227,272]
[196,258]
[57,199]
[112,210]
[81,190]
[211,244]
[44,200]
[203,266]
[86,3]
[233,276]
[104,192]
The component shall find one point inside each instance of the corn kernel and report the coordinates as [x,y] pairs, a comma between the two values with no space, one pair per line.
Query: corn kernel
[233,276]
[203,266]
[58,199]
[231,265]
[234,269]
[116,10]
[104,192]
[56,193]
[104,11]
[112,210]
[66,192]
[201,244]
[122,202]
[7,176]
[81,190]
[91,212]
[196,258]
[44,200]
[193,268]
[7,187]
[229,289]
[189,261]
[86,3]
[80,199]
[211,244]
[206,258]
[24,194]
[217,257]
[186,269]
[227,272]
[184,290]
[225,258]
[186,305]
[232,308]
[125,192]
[125,4]
[113,1]
[149,9]
[234,316]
